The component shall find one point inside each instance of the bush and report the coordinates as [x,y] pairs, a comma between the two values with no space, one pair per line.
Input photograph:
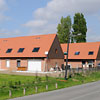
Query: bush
[46,78]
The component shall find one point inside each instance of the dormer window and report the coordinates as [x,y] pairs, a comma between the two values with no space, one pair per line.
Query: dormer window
[90,53]
[9,51]
[77,53]
[20,50]
[36,49]
[56,51]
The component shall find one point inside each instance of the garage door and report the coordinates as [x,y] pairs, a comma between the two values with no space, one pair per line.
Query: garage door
[34,65]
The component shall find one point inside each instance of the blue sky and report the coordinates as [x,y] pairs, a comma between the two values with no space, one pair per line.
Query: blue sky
[33,17]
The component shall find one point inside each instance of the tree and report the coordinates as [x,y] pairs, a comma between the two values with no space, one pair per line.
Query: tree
[64,29]
[79,28]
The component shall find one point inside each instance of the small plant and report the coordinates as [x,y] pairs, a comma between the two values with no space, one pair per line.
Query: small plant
[36,78]
[39,79]
[10,84]
[19,82]
[4,85]
[46,78]
[59,75]
[16,83]
[33,82]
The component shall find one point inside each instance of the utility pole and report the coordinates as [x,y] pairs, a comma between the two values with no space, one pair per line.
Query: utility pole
[66,67]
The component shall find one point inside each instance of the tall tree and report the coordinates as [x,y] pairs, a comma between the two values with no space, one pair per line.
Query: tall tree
[64,29]
[79,28]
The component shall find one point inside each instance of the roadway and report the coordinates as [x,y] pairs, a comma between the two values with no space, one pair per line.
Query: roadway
[90,91]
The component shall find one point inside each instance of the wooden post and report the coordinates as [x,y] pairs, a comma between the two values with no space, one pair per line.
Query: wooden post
[36,89]
[46,87]
[24,91]
[56,85]
[10,93]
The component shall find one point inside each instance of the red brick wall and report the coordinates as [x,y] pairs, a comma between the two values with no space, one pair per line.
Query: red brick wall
[24,63]
[75,64]
[13,64]
[43,62]
[97,62]
[3,64]
[51,63]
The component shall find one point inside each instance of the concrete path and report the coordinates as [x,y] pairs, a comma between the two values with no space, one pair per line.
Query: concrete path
[90,91]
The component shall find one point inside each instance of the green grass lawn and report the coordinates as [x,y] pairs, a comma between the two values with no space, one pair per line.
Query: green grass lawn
[16,83]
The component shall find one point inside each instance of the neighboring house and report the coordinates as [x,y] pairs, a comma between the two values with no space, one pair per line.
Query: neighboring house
[31,53]
[82,54]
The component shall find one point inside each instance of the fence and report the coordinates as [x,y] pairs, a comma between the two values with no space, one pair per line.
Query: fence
[72,71]
[83,70]
[14,89]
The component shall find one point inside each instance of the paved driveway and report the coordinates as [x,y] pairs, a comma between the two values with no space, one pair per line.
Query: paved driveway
[90,91]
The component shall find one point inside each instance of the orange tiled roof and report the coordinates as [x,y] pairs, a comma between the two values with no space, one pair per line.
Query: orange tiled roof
[83,48]
[27,42]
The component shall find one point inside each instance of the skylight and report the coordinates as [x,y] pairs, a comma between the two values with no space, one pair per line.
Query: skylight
[20,50]
[9,51]
[77,53]
[90,53]
[36,49]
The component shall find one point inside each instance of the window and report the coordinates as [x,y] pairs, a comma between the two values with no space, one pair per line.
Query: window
[36,49]
[83,62]
[90,53]
[21,50]
[56,51]
[77,53]
[7,63]
[18,63]
[90,62]
[65,53]
[9,51]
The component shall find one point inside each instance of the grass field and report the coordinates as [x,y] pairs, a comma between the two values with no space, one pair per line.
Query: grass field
[17,83]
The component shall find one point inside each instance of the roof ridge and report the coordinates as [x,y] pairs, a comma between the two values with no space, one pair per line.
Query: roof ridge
[81,43]
[30,36]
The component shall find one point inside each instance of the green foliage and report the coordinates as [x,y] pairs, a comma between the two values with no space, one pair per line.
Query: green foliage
[37,79]
[79,27]
[46,78]
[10,84]
[19,82]
[64,29]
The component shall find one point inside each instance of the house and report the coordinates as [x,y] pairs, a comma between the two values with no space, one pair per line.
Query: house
[31,53]
[82,54]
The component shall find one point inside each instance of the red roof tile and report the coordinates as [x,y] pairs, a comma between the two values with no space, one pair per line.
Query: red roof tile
[27,42]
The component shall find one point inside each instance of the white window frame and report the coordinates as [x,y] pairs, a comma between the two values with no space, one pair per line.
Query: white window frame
[7,63]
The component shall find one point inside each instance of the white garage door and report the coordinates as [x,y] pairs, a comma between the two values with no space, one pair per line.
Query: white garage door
[34,65]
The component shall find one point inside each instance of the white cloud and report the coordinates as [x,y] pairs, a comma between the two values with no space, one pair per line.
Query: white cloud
[5,32]
[47,18]
[92,36]
[36,23]
[3,8]
[3,5]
